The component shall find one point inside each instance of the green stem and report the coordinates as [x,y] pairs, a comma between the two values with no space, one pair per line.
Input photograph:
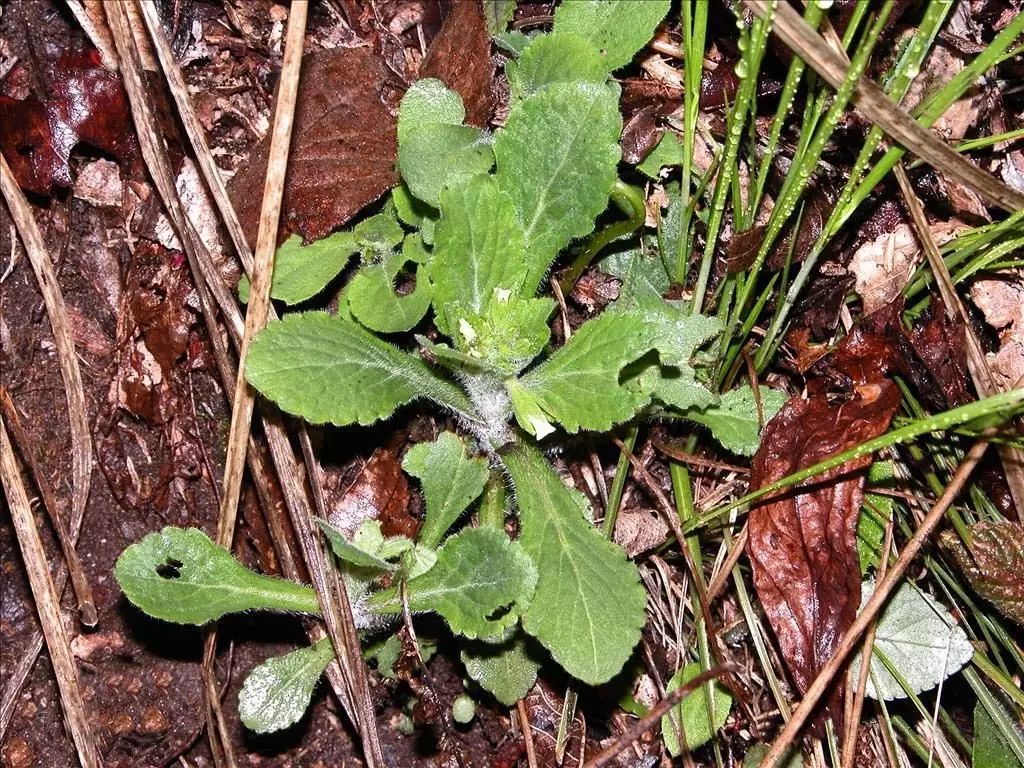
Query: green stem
[611,513]
[631,201]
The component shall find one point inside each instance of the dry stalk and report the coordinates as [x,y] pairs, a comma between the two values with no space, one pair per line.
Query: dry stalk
[67,359]
[65,536]
[47,601]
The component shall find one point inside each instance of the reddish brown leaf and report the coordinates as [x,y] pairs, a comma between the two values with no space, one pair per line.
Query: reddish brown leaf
[379,492]
[460,57]
[84,103]
[802,544]
[940,344]
[994,564]
[343,147]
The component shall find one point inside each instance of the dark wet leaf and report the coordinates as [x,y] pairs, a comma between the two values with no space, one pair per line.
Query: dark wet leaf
[343,147]
[83,103]
[994,563]
[939,343]
[640,135]
[803,544]
[742,249]
[460,57]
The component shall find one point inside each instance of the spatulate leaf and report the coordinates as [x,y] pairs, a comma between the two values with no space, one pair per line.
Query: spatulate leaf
[180,575]
[589,605]
[277,693]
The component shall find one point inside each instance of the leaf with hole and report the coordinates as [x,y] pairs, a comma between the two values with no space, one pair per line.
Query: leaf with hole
[373,301]
[180,575]
[479,578]
[277,693]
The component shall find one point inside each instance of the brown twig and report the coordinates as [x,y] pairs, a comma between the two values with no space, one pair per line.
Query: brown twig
[648,721]
[67,540]
[977,363]
[718,582]
[67,359]
[876,105]
[47,601]
[527,730]
[874,605]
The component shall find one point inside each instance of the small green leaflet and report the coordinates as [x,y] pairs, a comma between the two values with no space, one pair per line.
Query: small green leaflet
[667,154]
[451,482]
[374,303]
[561,184]
[757,753]
[616,28]
[508,334]
[434,148]
[561,57]
[277,693]
[479,572]
[507,670]
[578,386]
[180,575]
[328,369]
[919,638]
[734,419]
[643,275]
[478,249]
[588,609]
[691,714]
[874,515]
[302,271]
[349,552]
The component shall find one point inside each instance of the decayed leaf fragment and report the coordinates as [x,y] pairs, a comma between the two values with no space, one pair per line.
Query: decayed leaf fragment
[343,147]
[994,563]
[802,543]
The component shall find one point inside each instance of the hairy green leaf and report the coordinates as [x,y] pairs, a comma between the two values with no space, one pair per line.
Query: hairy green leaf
[561,57]
[479,572]
[559,184]
[429,101]
[579,387]
[734,419]
[349,552]
[688,720]
[507,670]
[478,249]
[302,271]
[919,638]
[991,749]
[588,608]
[328,369]
[435,155]
[616,28]
[277,693]
[180,575]
[374,303]
[508,334]
[498,14]
[451,482]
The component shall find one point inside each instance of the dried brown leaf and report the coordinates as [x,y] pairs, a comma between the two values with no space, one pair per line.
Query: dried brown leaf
[460,57]
[802,543]
[994,563]
[379,492]
[343,147]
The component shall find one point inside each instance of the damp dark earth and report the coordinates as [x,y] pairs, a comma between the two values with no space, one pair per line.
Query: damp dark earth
[505,384]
